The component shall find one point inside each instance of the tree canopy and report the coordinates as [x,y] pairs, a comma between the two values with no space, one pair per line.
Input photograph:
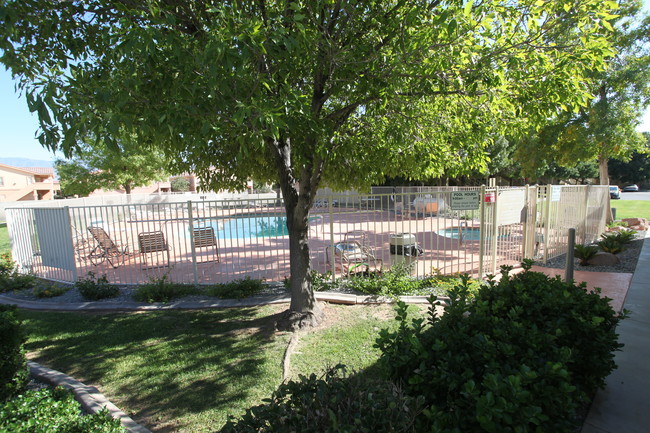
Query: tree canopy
[304,93]
[123,165]
[606,128]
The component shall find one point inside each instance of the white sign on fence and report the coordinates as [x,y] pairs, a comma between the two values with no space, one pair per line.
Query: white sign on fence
[556,191]
[465,200]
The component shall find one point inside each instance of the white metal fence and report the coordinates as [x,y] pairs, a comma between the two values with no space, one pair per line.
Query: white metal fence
[210,241]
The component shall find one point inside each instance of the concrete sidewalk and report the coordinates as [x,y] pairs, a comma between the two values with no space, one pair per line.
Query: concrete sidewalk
[624,405]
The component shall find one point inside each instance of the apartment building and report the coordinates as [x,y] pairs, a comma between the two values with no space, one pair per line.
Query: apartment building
[27,183]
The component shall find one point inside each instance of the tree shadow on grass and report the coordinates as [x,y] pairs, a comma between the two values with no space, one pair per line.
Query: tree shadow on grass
[166,367]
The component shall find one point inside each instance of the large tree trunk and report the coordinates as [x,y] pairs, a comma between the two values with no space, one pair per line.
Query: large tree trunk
[298,197]
[603,170]
[304,310]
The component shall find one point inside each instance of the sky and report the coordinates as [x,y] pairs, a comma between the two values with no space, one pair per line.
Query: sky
[18,126]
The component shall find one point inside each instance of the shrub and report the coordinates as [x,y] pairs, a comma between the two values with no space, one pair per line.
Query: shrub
[236,289]
[13,366]
[622,236]
[332,403]
[584,253]
[162,290]
[52,410]
[398,281]
[610,245]
[525,355]
[10,278]
[49,290]
[96,289]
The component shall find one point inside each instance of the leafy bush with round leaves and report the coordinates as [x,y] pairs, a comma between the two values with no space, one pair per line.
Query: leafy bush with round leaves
[334,403]
[524,355]
[13,365]
[52,410]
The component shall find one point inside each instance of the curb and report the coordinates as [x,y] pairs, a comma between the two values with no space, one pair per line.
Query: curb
[89,397]
[334,298]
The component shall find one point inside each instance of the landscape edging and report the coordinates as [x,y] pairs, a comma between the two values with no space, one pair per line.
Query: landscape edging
[91,400]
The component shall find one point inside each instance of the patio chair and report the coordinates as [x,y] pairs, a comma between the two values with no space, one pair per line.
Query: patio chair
[153,242]
[105,249]
[353,257]
[203,238]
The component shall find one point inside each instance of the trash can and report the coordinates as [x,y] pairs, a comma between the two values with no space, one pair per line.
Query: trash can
[404,249]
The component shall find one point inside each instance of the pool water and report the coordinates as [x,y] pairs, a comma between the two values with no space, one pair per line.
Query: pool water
[469,233]
[248,227]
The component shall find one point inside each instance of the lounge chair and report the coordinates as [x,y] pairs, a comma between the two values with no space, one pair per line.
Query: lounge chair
[105,249]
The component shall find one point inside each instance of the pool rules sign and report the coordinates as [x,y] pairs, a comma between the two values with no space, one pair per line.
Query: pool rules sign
[465,200]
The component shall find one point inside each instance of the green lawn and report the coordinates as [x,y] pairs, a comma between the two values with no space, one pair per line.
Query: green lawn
[631,208]
[186,371]
[5,246]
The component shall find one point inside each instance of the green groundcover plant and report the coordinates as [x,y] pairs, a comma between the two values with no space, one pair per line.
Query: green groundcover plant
[52,410]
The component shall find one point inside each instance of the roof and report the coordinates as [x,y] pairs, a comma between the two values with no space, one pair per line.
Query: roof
[42,171]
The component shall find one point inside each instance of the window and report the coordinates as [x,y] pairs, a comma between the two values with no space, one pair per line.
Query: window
[2,181]
[30,180]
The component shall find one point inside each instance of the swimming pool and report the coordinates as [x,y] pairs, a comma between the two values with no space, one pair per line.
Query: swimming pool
[468,233]
[250,226]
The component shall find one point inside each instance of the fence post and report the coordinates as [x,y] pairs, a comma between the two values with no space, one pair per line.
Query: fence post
[481,250]
[525,224]
[192,245]
[547,221]
[583,240]
[568,276]
[70,234]
[331,253]
[495,229]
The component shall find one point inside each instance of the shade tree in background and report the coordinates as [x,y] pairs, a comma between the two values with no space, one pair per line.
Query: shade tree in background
[305,94]
[98,164]
[606,128]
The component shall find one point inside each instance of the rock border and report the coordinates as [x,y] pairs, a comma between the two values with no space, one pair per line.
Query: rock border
[91,400]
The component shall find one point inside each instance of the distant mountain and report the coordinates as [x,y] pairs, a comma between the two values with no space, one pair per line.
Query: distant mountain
[26,162]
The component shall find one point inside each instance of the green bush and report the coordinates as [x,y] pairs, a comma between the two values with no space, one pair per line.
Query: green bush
[10,278]
[236,289]
[331,404]
[52,410]
[395,282]
[13,365]
[94,289]
[611,245]
[585,252]
[162,290]
[49,290]
[622,236]
[524,355]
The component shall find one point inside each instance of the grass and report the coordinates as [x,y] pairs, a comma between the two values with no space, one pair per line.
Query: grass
[186,371]
[175,371]
[347,338]
[5,245]
[631,209]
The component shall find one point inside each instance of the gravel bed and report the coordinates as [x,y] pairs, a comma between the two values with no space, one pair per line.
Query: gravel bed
[628,259]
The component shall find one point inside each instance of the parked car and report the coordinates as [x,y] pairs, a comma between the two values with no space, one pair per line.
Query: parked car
[631,188]
[614,192]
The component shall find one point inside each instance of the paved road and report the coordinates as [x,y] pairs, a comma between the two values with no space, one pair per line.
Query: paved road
[635,196]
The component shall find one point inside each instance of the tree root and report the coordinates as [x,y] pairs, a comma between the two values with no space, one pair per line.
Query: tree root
[286,363]
[293,321]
